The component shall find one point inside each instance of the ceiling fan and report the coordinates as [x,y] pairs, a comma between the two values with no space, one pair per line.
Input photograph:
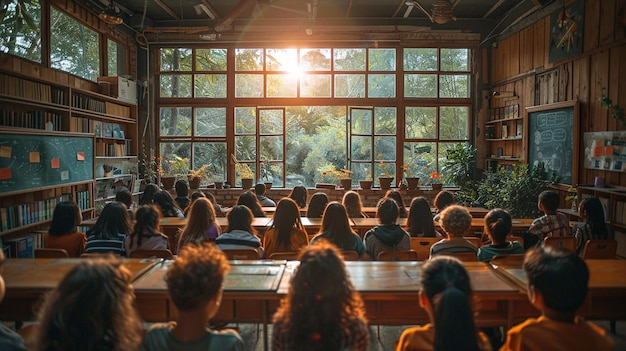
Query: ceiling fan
[442,12]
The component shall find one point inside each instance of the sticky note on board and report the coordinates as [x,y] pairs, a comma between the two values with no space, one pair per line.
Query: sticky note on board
[5,151]
[5,173]
[80,156]
[34,157]
[55,162]
[65,175]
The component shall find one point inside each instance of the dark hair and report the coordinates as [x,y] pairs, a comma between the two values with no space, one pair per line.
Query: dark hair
[201,217]
[124,196]
[550,200]
[443,199]
[240,218]
[182,188]
[166,203]
[91,309]
[299,195]
[594,213]
[498,225]
[147,224]
[286,217]
[259,189]
[322,309]
[560,275]
[397,197]
[446,284]
[317,204]
[250,200]
[420,221]
[112,221]
[147,198]
[455,220]
[65,218]
[336,228]
[387,210]
[352,202]
[196,276]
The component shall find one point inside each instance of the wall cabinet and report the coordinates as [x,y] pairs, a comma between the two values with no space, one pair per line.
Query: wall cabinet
[504,134]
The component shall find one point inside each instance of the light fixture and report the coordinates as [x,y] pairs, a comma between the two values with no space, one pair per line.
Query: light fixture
[110,15]
[207,9]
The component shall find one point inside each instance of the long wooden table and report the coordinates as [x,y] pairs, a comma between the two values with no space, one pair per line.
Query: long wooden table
[476,212]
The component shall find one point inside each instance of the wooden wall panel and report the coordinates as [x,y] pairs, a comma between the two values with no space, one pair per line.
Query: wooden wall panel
[607,22]
[620,20]
[539,43]
[514,55]
[592,21]
[526,49]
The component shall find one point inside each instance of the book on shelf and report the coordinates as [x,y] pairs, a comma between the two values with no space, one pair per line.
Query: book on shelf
[18,215]
[620,212]
[25,245]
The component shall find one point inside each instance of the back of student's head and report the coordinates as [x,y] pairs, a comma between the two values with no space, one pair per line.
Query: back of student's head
[420,219]
[196,194]
[147,219]
[166,202]
[65,218]
[317,204]
[240,218]
[201,216]
[91,309]
[446,284]
[286,217]
[259,189]
[250,200]
[592,211]
[498,224]
[550,200]
[299,195]
[387,210]
[443,199]
[182,188]
[147,198]
[455,220]
[397,197]
[113,220]
[124,196]
[352,201]
[335,224]
[560,275]
[196,276]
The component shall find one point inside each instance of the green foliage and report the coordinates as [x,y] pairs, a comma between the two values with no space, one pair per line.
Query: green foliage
[459,166]
[616,111]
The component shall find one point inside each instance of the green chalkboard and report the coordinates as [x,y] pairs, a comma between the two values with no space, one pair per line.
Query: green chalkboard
[553,139]
[33,161]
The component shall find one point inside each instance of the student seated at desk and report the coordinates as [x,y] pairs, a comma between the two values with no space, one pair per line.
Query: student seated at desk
[146,234]
[9,339]
[201,224]
[591,212]
[240,233]
[352,202]
[498,225]
[445,293]
[124,196]
[182,194]
[442,200]
[167,205]
[259,191]
[317,204]
[387,236]
[395,194]
[420,222]
[557,286]
[147,198]
[249,200]
[110,230]
[91,309]
[63,233]
[322,310]
[299,194]
[456,222]
[194,282]
[336,230]
[552,223]
[286,233]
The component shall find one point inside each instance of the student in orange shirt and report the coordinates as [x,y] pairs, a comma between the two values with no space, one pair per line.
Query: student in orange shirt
[286,233]
[557,286]
[63,233]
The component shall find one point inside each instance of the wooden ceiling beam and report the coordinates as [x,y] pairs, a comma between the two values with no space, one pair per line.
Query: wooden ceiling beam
[348,9]
[493,8]
[167,9]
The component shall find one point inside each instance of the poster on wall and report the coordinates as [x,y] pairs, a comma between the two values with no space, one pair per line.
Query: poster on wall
[605,151]
[566,31]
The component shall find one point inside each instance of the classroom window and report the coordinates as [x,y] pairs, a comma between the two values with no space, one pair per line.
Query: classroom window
[436,73]
[21,30]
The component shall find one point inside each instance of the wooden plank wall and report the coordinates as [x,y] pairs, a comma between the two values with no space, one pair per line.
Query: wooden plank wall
[520,63]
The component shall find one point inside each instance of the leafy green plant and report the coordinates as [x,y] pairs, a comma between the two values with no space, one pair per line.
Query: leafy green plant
[242,169]
[616,111]
[460,165]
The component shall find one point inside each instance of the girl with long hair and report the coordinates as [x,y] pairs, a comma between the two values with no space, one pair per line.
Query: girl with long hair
[147,198]
[250,200]
[352,202]
[201,224]
[240,233]
[299,195]
[110,230]
[286,233]
[498,224]
[336,229]
[322,310]
[317,204]
[63,232]
[90,310]
[446,295]
[420,221]
[146,234]
[591,211]
[397,197]
[167,205]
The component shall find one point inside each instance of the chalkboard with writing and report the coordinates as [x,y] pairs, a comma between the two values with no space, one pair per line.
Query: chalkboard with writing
[552,139]
[33,161]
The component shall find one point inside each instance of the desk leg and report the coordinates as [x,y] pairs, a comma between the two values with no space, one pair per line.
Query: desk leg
[265,310]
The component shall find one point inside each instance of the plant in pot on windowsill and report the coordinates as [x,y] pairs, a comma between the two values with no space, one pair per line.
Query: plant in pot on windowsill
[244,172]
[410,181]
[195,177]
[385,177]
[435,181]
[338,175]
[172,169]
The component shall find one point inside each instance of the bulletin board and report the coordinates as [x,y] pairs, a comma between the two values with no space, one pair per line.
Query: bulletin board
[553,134]
[33,161]
[605,151]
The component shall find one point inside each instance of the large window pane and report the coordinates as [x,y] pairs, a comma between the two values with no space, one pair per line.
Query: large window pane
[281,85]
[315,59]
[385,151]
[116,59]
[420,59]
[420,85]
[349,60]
[420,122]
[455,59]
[210,121]
[361,121]
[272,146]
[214,156]
[315,85]
[74,47]
[381,85]
[361,148]
[175,59]
[385,120]
[350,85]
[454,123]
[248,85]
[175,121]
[245,120]
[420,158]
[281,60]
[245,149]
[211,59]
[210,85]
[249,59]
[454,86]
[382,59]
[176,85]
[271,121]
[21,29]
[175,159]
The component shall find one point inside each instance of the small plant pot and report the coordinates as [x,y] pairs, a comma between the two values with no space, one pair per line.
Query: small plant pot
[194,182]
[346,183]
[219,185]
[412,183]
[268,185]
[168,182]
[246,183]
[366,184]
[437,187]
[385,182]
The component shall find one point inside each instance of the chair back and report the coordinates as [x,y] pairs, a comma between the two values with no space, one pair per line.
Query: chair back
[99,255]
[350,255]
[402,255]
[242,254]
[422,246]
[464,256]
[51,253]
[161,253]
[600,249]
[564,242]
[474,240]
[515,260]
[289,256]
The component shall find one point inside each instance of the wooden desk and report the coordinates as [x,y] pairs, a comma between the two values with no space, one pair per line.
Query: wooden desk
[370,211]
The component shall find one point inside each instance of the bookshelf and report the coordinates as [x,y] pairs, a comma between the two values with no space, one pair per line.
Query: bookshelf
[53,106]
[504,134]
[614,202]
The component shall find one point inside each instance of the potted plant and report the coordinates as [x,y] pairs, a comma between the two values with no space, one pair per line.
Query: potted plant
[244,172]
[385,176]
[412,182]
[341,175]
[172,169]
[435,181]
[195,177]
[366,183]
